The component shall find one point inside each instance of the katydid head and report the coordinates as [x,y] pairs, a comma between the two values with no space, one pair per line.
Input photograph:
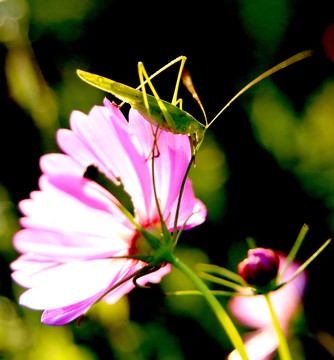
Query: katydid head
[196,132]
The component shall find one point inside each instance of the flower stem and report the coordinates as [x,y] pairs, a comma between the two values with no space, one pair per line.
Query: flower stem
[294,250]
[165,231]
[180,197]
[283,348]
[215,305]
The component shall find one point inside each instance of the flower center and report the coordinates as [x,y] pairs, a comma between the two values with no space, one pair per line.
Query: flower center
[139,243]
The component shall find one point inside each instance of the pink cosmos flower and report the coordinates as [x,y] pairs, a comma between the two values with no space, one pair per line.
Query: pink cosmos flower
[74,227]
[253,312]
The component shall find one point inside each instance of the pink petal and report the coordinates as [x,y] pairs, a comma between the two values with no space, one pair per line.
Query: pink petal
[55,164]
[63,247]
[89,143]
[154,277]
[66,314]
[260,345]
[171,162]
[75,205]
[192,210]
[70,283]
[27,265]
[251,311]
[104,139]
[63,315]
[77,149]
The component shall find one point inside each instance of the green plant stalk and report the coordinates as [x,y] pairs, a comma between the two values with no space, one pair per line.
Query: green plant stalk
[215,305]
[220,281]
[175,233]
[166,233]
[294,250]
[283,348]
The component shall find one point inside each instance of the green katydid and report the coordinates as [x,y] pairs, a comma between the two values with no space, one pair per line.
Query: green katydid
[167,116]
[170,116]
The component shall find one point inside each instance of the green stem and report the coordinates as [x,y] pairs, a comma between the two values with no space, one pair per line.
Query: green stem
[180,197]
[220,281]
[165,231]
[283,348]
[215,305]
[293,251]
[308,261]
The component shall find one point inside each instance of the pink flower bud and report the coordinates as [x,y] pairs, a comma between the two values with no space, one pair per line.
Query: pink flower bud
[260,267]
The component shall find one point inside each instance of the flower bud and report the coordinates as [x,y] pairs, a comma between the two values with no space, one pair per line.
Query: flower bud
[260,267]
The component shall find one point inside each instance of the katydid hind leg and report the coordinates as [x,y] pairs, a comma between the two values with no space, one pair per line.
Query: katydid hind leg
[155,131]
[182,60]
[141,71]
[171,63]
[175,100]
[143,75]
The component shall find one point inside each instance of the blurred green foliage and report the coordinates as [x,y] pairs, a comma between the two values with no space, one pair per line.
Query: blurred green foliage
[302,143]
[266,22]
[268,160]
